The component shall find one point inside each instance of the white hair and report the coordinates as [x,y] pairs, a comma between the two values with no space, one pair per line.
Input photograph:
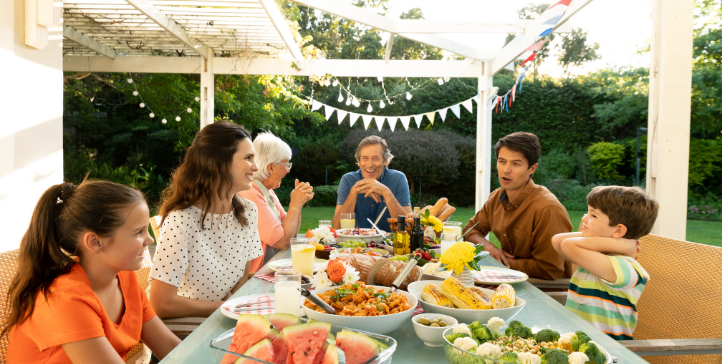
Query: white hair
[269,149]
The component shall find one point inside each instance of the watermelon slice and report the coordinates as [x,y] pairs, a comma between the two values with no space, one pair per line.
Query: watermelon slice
[280,347]
[305,341]
[321,354]
[358,348]
[281,320]
[331,339]
[263,350]
[250,329]
[334,355]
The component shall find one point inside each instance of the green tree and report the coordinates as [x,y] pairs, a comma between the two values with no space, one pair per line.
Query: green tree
[575,51]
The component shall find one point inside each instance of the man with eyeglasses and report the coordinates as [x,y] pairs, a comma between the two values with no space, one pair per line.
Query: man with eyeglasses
[373,187]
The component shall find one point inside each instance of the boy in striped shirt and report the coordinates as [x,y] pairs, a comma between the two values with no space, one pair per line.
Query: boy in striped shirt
[606,287]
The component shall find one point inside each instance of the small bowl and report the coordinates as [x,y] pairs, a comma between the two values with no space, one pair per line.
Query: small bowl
[323,254]
[432,336]
[309,284]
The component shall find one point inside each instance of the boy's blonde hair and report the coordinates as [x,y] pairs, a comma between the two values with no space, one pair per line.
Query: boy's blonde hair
[628,206]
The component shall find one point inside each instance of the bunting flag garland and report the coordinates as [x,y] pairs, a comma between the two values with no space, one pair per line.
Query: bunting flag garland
[315,105]
[405,121]
[456,110]
[430,116]
[442,113]
[329,112]
[468,105]
[340,115]
[535,47]
[392,122]
[353,117]
[418,118]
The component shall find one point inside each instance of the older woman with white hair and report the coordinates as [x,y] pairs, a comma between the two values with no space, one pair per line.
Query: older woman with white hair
[275,226]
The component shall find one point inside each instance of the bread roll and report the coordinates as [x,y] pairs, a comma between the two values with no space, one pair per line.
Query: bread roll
[362,262]
[387,273]
[439,204]
[444,215]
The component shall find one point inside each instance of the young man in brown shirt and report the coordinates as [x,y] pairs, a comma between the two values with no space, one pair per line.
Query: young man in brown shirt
[522,215]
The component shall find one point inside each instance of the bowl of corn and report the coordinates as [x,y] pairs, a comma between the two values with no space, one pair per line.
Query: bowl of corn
[466,304]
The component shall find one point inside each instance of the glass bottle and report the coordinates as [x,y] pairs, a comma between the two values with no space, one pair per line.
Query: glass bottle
[416,237]
[401,237]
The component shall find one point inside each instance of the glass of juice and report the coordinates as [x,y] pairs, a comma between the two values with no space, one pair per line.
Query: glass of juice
[322,223]
[452,227]
[447,240]
[348,220]
[288,297]
[303,252]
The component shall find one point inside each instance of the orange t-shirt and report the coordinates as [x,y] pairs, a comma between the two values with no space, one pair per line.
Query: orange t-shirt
[73,313]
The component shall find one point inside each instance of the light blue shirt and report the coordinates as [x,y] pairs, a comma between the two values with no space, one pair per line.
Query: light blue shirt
[366,207]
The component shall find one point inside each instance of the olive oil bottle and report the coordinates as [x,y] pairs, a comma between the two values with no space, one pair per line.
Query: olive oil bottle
[401,237]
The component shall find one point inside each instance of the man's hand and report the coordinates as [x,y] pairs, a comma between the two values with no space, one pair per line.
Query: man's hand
[371,188]
[497,254]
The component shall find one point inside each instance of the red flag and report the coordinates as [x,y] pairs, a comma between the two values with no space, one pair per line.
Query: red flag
[530,58]
[561,2]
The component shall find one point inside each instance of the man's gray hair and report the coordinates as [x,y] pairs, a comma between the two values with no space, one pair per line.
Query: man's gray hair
[269,149]
[373,140]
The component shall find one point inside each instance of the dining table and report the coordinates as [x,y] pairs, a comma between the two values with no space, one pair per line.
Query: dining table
[540,311]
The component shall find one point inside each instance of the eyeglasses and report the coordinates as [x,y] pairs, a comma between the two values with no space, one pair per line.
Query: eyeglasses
[285,164]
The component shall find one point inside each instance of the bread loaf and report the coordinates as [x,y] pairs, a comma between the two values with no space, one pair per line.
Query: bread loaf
[362,262]
[387,273]
[439,205]
[444,215]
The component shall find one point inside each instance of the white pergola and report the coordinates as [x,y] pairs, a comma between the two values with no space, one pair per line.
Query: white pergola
[210,37]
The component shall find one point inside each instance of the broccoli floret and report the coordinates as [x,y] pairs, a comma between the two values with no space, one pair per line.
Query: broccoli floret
[593,353]
[510,357]
[523,332]
[582,338]
[452,337]
[546,335]
[555,356]
[512,325]
[480,332]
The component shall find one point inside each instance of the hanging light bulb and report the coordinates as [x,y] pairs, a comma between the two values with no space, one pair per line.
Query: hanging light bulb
[441,81]
[326,82]
[340,98]
[348,101]
[446,79]
[130,80]
[164,121]
[356,102]
[142,105]
[135,93]
[381,79]
[381,104]
[369,109]
[151,115]
[408,96]
[335,83]
[198,99]
[189,110]
[177,118]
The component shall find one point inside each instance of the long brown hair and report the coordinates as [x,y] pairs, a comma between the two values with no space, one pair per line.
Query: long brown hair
[62,215]
[205,172]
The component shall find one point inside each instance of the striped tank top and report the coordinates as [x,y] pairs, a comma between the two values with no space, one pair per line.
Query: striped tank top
[609,306]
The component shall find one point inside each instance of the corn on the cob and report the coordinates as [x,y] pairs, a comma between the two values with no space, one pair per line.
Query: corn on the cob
[432,294]
[485,299]
[460,295]
[504,297]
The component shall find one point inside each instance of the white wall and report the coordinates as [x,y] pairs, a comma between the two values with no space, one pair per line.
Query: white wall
[31,123]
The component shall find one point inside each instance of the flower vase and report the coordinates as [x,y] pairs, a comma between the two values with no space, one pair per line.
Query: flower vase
[465,277]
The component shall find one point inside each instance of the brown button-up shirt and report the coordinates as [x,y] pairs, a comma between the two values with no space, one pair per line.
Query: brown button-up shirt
[525,227]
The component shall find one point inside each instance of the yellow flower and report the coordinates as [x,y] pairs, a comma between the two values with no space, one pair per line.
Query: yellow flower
[458,256]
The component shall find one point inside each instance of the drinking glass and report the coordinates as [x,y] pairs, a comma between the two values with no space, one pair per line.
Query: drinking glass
[447,240]
[288,297]
[452,227]
[303,252]
[322,223]
[348,220]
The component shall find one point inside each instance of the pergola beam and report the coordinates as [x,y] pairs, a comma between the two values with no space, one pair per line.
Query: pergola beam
[421,26]
[389,46]
[518,46]
[86,41]
[150,10]
[280,23]
[275,66]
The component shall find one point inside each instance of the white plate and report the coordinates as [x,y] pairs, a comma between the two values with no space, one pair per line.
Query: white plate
[288,263]
[465,315]
[341,232]
[488,270]
[377,324]
[228,306]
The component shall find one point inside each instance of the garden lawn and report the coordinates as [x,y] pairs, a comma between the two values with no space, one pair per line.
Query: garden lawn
[703,232]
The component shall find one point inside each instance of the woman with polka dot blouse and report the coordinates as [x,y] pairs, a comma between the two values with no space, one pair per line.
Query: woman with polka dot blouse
[208,234]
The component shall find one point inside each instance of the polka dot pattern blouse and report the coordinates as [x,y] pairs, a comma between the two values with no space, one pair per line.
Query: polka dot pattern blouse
[205,264]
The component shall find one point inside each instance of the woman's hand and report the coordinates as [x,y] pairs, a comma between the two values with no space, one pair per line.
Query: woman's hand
[301,194]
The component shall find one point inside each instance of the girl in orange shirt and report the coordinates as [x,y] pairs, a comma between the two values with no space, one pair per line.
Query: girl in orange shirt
[90,309]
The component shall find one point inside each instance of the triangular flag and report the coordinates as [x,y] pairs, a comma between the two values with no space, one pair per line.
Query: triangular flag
[380,121]
[418,120]
[535,46]
[315,105]
[468,105]
[329,111]
[367,120]
[431,115]
[529,58]
[392,122]
[405,121]
[442,113]
[456,110]
[353,117]
[340,115]
[546,32]
[562,2]
[553,20]
[513,93]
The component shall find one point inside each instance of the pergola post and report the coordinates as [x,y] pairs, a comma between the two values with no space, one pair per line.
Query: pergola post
[207,89]
[670,88]
[483,136]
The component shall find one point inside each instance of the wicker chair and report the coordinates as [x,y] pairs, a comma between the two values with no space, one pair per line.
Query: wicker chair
[8,267]
[679,319]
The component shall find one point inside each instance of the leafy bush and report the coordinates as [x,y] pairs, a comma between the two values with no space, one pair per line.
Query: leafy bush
[704,159]
[606,158]
[324,196]
[556,164]
[570,193]
[316,163]
[707,207]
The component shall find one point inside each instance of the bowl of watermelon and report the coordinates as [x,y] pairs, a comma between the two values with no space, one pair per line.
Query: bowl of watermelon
[282,338]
